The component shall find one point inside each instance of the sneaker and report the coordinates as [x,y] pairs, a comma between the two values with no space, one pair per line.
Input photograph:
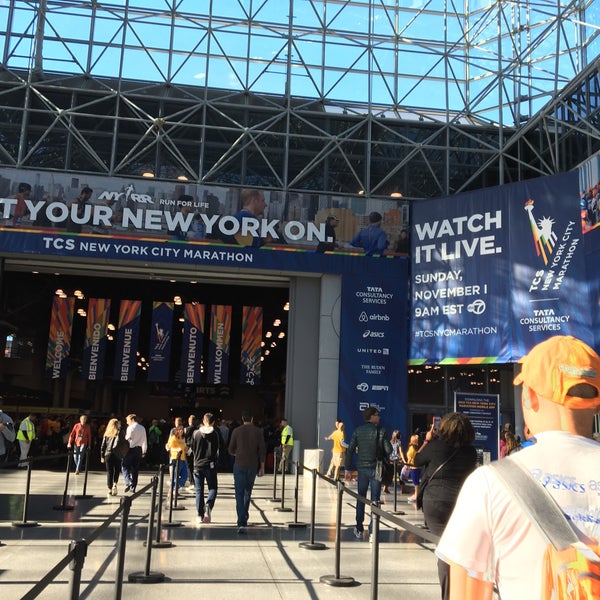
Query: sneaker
[206,518]
[370,538]
[114,489]
[411,500]
[358,534]
[241,530]
[199,520]
[127,488]
[110,492]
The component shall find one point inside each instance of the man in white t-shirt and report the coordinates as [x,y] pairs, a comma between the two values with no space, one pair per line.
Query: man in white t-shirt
[488,539]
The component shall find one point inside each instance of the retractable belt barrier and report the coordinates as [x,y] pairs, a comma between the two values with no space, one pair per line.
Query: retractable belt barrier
[77,552]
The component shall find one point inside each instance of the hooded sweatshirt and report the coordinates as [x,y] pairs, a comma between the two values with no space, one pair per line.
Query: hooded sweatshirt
[206,444]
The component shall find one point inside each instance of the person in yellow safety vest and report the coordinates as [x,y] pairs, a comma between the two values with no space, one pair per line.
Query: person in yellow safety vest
[287,443]
[25,436]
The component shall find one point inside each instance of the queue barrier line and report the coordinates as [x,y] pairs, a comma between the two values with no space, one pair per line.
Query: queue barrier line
[77,552]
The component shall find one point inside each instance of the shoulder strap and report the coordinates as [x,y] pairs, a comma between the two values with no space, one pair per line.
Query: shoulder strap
[440,467]
[539,506]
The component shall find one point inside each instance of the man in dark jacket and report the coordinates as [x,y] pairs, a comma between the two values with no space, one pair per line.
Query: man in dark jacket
[206,446]
[365,441]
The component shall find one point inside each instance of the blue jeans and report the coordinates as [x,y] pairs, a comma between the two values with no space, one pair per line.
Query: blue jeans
[243,482]
[130,467]
[210,475]
[78,455]
[366,479]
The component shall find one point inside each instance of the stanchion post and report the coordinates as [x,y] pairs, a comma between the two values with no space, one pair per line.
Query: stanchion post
[25,522]
[375,554]
[283,508]
[337,580]
[63,505]
[170,522]
[79,549]
[158,543]
[274,498]
[85,495]
[296,523]
[147,576]
[396,511]
[312,545]
[175,488]
[126,505]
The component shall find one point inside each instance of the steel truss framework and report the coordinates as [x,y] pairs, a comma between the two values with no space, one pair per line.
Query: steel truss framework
[370,97]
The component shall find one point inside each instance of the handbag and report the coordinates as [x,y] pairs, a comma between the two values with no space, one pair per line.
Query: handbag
[425,481]
[121,448]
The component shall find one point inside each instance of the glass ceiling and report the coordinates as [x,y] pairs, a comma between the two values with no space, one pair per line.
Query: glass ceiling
[465,61]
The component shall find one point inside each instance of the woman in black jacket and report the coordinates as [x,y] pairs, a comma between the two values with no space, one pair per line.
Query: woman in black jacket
[447,459]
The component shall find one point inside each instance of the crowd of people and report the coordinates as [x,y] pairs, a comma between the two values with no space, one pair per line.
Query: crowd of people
[487,532]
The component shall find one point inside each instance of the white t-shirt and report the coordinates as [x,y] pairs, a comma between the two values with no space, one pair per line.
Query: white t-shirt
[488,532]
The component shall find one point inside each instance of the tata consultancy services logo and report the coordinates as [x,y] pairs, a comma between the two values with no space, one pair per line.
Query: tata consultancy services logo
[544,237]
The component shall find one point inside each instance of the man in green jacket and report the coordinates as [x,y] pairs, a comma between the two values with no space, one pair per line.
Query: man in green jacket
[365,442]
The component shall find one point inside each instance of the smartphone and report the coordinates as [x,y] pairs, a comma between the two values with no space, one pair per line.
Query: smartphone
[436,423]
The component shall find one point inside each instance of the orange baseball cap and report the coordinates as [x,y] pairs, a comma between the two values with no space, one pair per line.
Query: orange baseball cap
[555,365]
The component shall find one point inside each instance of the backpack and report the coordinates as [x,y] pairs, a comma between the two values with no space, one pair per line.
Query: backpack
[571,568]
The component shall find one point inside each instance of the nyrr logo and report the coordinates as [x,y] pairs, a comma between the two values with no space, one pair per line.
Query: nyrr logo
[128,194]
[544,237]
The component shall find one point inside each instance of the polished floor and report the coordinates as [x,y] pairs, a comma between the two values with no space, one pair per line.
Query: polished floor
[280,556]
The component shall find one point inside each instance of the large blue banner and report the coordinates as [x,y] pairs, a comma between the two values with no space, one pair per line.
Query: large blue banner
[373,349]
[497,271]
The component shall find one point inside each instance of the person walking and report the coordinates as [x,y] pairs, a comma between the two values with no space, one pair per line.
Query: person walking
[80,439]
[338,450]
[489,540]
[138,445]
[365,442]
[26,435]
[109,454]
[397,455]
[7,435]
[178,454]
[287,444]
[206,446]
[247,446]
[446,459]
[189,434]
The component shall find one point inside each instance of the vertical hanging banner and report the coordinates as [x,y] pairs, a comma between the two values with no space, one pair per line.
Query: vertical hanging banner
[252,325]
[160,341]
[128,335]
[59,337]
[373,349]
[218,351]
[192,343]
[549,292]
[94,347]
